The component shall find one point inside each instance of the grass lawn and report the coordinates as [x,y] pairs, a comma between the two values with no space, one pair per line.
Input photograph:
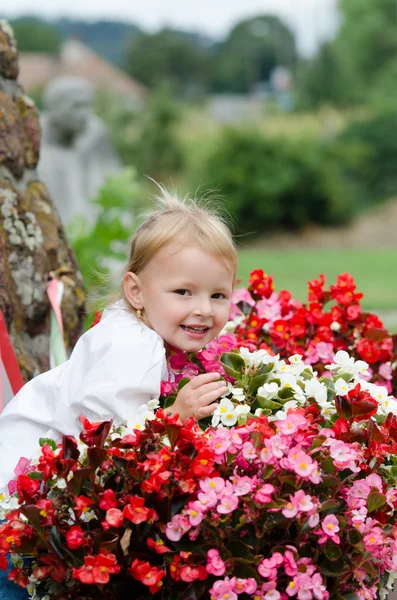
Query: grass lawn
[375,273]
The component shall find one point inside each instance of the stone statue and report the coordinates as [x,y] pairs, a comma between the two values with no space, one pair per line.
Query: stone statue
[32,239]
[76,153]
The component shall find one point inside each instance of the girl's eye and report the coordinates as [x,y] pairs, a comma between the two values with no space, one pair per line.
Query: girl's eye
[218,296]
[182,292]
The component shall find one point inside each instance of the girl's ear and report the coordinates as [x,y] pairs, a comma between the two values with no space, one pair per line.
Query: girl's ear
[132,290]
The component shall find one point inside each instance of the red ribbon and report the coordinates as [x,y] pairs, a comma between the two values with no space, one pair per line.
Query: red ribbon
[9,360]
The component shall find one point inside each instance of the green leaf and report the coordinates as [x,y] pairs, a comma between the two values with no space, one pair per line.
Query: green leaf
[332,568]
[332,551]
[36,475]
[48,441]
[268,472]
[182,383]
[375,500]
[328,481]
[169,401]
[255,384]
[240,550]
[243,571]
[233,364]
[329,505]
[354,536]
[265,403]
[55,541]
[286,394]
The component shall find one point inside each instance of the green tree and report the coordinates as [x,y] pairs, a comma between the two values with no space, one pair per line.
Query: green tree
[251,51]
[34,35]
[168,56]
[326,79]
[367,38]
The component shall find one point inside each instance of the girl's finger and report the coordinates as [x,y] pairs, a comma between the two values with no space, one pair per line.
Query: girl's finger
[205,411]
[210,396]
[215,386]
[200,380]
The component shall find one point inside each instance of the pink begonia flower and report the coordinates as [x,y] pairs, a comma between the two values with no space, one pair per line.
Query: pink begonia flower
[314,520]
[224,589]
[242,485]
[190,370]
[215,565]
[375,481]
[194,513]
[219,445]
[212,484]
[272,595]
[325,352]
[167,387]
[290,510]
[304,501]
[277,445]
[365,593]
[311,354]
[23,467]
[301,463]
[293,587]
[266,455]
[245,586]
[304,583]
[319,590]
[207,499]
[329,530]
[263,495]
[291,424]
[386,371]
[360,489]
[268,567]
[249,451]
[228,503]
[373,538]
[177,360]
[289,563]
[242,295]
[177,528]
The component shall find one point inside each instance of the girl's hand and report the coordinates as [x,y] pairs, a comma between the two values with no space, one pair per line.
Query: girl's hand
[197,398]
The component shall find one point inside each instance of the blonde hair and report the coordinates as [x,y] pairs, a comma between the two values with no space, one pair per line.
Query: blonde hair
[186,221]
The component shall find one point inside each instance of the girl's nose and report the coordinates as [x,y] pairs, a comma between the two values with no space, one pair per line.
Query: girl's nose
[204,309]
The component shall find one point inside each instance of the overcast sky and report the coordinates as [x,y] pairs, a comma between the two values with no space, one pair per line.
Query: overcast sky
[312,20]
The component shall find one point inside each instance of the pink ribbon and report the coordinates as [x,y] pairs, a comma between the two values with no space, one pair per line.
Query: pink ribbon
[9,360]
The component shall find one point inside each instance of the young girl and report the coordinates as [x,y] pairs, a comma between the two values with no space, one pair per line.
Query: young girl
[176,292]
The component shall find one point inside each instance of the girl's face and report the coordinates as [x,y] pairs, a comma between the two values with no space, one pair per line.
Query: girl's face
[185,294]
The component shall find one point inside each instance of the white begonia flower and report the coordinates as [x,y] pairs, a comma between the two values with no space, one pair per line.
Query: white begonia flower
[317,390]
[328,409]
[231,326]
[241,409]
[296,365]
[138,422]
[153,404]
[224,413]
[282,414]
[335,326]
[342,360]
[341,387]
[256,359]
[388,406]
[268,390]
[7,503]
[238,394]
[87,516]
[361,368]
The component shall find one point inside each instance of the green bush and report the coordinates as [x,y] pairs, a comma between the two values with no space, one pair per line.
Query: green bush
[274,182]
[375,139]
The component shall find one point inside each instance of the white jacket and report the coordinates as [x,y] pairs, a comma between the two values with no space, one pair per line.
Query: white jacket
[114,368]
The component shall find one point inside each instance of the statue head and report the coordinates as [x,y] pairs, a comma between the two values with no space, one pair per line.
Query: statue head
[68,103]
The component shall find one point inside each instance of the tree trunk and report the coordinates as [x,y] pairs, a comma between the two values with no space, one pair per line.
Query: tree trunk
[33,243]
